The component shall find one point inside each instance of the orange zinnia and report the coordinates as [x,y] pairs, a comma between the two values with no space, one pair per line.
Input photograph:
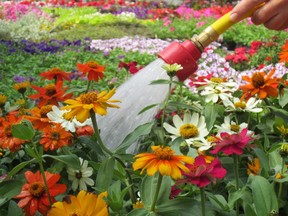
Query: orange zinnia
[39,117]
[34,196]
[283,56]
[260,84]
[81,106]
[57,74]
[94,70]
[7,140]
[254,167]
[50,94]
[55,137]
[163,160]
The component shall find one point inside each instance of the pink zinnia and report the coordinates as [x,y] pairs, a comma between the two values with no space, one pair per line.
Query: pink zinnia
[203,173]
[232,143]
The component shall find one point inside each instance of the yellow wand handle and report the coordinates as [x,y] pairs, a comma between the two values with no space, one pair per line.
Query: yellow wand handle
[212,32]
[223,23]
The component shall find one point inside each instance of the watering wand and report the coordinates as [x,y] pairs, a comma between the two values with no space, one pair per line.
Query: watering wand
[137,93]
[187,53]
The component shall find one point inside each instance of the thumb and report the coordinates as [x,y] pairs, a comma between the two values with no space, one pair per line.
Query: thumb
[242,8]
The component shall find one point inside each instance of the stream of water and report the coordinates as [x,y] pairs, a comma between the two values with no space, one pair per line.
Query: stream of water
[135,94]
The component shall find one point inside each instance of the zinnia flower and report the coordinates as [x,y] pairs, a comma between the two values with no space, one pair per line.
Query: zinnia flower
[202,173]
[231,143]
[243,106]
[34,197]
[229,126]
[3,99]
[283,55]
[80,178]
[7,140]
[21,87]
[94,70]
[254,167]
[39,117]
[59,116]
[57,74]
[261,84]
[81,106]
[88,204]
[55,137]
[50,94]
[163,160]
[191,128]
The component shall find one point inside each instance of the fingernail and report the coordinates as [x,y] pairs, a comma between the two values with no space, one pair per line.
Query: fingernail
[234,17]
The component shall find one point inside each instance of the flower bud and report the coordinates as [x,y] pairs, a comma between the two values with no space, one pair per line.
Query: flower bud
[184,148]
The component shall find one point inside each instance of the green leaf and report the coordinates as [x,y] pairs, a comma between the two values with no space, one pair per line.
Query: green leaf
[184,106]
[280,112]
[249,210]
[14,209]
[20,166]
[139,212]
[218,201]
[115,199]
[264,196]
[70,160]
[160,81]
[105,174]
[24,130]
[210,114]
[147,108]
[148,188]
[283,99]
[132,137]
[9,189]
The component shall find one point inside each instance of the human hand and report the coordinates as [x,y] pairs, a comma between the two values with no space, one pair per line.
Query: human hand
[273,14]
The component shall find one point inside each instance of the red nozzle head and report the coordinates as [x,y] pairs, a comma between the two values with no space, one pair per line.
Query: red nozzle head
[186,54]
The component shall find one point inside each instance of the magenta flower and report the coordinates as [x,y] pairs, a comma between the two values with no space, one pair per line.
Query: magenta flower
[203,173]
[231,143]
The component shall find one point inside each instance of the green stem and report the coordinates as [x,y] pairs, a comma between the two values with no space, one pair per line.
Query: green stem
[165,106]
[236,173]
[88,86]
[160,177]
[202,192]
[103,147]
[42,171]
[97,134]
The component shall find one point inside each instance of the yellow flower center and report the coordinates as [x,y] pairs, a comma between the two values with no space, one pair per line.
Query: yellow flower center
[50,89]
[234,127]
[55,136]
[56,70]
[36,189]
[20,102]
[211,139]
[44,110]
[240,104]
[188,131]
[163,153]
[216,80]
[3,99]
[284,147]
[89,98]
[138,204]
[8,130]
[283,130]
[21,87]
[92,64]
[258,80]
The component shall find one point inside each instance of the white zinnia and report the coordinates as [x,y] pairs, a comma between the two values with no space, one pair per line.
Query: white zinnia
[216,93]
[80,178]
[237,105]
[231,127]
[56,116]
[191,128]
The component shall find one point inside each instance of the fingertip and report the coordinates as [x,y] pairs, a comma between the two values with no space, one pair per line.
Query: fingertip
[234,17]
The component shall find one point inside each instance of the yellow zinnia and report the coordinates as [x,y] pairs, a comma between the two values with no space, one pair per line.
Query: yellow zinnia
[163,160]
[85,203]
[81,106]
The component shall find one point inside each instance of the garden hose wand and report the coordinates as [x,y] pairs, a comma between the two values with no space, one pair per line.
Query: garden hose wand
[187,53]
[137,92]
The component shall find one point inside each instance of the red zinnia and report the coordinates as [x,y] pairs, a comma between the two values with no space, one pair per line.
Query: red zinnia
[7,140]
[203,173]
[55,137]
[34,197]
[231,143]
[50,94]
[84,131]
[94,70]
[57,74]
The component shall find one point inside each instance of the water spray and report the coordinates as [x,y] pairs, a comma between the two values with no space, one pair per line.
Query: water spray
[137,93]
